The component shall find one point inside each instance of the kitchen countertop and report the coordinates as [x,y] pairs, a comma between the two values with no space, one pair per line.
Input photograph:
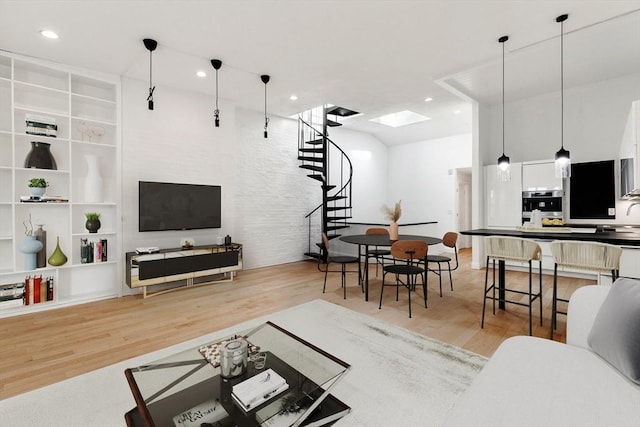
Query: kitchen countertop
[621,238]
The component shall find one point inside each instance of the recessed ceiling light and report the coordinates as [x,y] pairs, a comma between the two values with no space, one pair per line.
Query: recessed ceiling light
[293,98]
[401,118]
[49,34]
[428,99]
[201,73]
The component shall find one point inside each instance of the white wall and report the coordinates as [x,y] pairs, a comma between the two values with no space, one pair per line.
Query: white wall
[264,193]
[421,175]
[595,116]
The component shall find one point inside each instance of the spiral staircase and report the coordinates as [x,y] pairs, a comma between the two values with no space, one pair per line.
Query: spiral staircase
[328,164]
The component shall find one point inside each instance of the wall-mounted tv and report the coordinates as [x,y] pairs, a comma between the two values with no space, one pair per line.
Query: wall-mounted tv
[169,206]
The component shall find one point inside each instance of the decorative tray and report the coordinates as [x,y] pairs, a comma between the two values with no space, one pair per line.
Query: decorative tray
[211,352]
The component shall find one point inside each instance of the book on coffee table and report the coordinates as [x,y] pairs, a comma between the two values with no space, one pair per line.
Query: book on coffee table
[258,389]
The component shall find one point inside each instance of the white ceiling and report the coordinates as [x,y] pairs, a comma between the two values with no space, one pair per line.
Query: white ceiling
[375,56]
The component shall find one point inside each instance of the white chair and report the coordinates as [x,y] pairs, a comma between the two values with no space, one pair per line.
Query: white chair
[589,256]
[512,249]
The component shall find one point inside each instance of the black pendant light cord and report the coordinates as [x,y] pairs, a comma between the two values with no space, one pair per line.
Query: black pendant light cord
[562,82]
[151,45]
[265,79]
[502,40]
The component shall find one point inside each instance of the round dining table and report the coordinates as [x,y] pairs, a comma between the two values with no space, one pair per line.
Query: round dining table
[367,240]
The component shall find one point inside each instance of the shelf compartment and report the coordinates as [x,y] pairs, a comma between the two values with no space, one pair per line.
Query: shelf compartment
[93,109]
[5,187]
[84,130]
[85,86]
[35,74]
[5,105]
[112,255]
[59,149]
[5,67]
[6,151]
[107,213]
[20,125]
[49,100]
[106,157]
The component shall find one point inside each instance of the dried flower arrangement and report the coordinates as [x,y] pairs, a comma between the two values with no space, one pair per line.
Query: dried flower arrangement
[393,214]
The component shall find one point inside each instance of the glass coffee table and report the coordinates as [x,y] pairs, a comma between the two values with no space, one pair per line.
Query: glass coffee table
[187,390]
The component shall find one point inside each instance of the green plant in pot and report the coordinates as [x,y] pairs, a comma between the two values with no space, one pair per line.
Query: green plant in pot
[93,222]
[38,186]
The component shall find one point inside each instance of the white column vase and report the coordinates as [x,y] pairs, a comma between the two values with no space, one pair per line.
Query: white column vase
[93,182]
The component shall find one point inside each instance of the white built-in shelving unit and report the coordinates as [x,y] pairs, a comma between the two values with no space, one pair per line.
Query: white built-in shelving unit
[86,107]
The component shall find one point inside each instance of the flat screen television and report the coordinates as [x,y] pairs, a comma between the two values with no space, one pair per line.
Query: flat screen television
[169,206]
[592,190]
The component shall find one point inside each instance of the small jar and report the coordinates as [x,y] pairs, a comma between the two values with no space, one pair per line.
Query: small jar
[233,358]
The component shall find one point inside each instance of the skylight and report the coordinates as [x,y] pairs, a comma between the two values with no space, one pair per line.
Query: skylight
[401,118]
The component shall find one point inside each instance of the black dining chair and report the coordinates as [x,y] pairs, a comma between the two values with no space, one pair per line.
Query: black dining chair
[450,240]
[377,253]
[343,260]
[409,254]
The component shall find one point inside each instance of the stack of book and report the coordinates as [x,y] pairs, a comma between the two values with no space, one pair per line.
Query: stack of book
[11,294]
[41,125]
[43,199]
[258,389]
[91,252]
[34,290]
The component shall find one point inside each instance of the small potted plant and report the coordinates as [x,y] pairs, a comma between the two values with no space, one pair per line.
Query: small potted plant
[93,222]
[38,186]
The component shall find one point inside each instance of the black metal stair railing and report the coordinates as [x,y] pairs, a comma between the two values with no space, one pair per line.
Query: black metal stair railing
[315,149]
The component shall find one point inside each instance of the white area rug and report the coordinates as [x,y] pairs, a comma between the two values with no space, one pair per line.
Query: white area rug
[397,377]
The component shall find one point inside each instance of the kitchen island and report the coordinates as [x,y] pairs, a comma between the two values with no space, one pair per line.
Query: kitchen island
[627,238]
[614,237]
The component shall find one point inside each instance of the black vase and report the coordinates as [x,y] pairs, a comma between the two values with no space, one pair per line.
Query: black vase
[40,156]
[93,225]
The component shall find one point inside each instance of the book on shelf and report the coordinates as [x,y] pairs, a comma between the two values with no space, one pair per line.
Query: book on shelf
[41,125]
[43,199]
[93,252]
[256,390]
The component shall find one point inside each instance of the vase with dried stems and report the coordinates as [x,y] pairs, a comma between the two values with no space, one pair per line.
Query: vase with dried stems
[393,215]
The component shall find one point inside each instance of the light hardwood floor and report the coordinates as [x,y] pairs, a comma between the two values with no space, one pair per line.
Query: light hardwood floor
[43,348]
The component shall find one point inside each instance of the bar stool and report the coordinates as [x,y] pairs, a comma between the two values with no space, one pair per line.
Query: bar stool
[588,256]
[512,249]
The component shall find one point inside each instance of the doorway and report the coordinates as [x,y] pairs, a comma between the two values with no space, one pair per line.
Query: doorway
[463,205]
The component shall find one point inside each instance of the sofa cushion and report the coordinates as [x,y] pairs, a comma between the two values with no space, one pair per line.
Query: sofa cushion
[614,335]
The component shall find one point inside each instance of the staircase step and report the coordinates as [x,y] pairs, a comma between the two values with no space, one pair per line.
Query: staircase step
[337,208]
[333,198]
[315,255]
[336,227]
[311,150]
[341,111]
[310,159]
[312,168]
[337,218]
[315,141]
[328,187]
[333,124]
[317,177]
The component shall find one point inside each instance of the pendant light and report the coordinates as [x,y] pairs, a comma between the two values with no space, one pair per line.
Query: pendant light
[216,63]
[265,79]
[563,159]
[504,169]
[151,45]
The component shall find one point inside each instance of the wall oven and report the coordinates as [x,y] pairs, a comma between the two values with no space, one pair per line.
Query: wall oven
[548,202]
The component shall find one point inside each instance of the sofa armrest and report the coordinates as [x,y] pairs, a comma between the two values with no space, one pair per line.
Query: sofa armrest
[584,305]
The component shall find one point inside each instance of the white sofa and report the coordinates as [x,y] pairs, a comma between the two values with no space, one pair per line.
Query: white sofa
[533,381]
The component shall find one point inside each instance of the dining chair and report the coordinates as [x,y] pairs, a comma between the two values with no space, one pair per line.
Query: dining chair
[512,249]
[343,260]
[449,240]
[409,254]
[578,255]
[377,253]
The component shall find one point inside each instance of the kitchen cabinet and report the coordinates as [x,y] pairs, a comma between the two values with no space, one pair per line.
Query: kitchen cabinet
[538,176]
[503,202]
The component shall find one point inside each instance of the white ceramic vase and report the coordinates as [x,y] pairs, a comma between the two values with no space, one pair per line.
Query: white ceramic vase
[93,182]
[30,247]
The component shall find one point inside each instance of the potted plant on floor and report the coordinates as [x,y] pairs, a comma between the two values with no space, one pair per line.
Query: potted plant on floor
[38,186]
[93,222]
